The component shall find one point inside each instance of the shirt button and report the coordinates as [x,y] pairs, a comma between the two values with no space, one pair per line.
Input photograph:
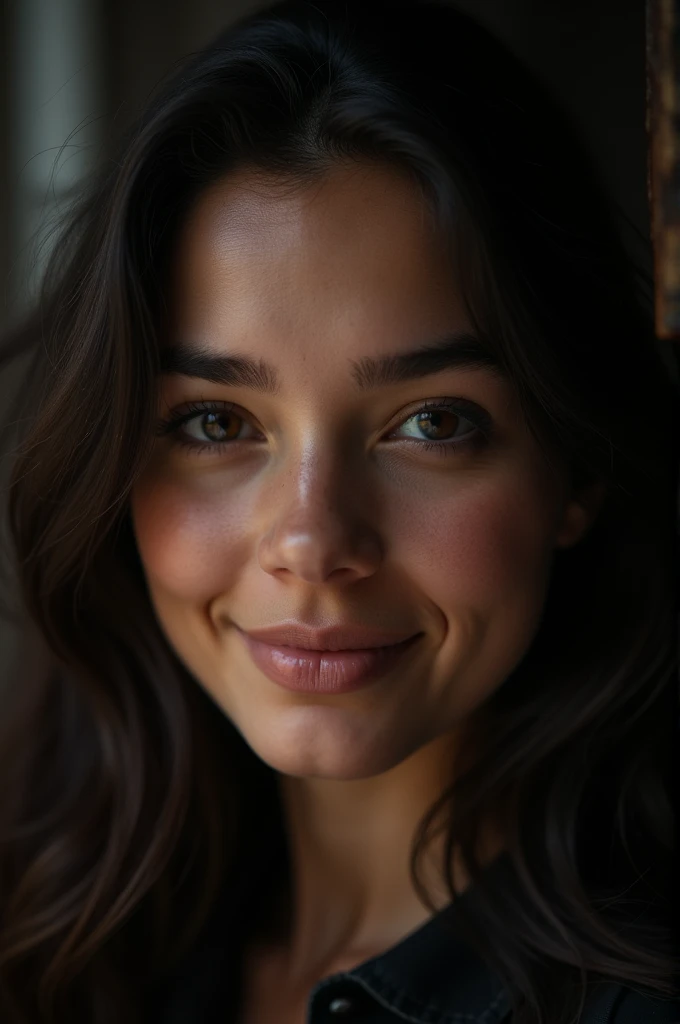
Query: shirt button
[340,1006]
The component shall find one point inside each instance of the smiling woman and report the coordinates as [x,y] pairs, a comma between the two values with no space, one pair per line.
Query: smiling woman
[343,513]
[306,508]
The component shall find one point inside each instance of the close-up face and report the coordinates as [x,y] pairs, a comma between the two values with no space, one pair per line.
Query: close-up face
[316,489]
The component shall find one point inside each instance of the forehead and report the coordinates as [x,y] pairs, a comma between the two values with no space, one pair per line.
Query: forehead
[358,243]
[253,206]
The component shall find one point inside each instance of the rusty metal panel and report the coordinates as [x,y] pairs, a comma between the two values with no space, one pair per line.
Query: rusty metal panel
[663,133]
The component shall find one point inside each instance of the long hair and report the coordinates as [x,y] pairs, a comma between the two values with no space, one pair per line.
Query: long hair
[129,800]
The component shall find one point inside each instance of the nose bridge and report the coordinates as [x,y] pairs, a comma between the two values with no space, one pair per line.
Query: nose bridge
[317,463]
[316,521]
[319,475]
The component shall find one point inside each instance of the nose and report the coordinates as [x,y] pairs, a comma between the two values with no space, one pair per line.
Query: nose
[318,530]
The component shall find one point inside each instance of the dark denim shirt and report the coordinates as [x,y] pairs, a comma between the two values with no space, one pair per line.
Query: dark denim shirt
[432,976]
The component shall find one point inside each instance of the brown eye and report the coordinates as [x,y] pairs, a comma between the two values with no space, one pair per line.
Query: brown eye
[206,427]
[217,426]
[438,426]
[442,425]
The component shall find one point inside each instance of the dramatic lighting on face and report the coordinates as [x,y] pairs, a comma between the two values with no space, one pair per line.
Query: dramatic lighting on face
[339,456]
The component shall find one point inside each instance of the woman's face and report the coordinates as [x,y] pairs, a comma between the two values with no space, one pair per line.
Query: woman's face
[318,500]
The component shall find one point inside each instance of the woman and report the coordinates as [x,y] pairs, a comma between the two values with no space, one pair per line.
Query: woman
[343,511]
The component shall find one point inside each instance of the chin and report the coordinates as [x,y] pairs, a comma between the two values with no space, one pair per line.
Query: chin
[308,750]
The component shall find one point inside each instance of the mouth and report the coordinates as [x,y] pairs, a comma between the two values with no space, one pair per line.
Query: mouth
[326,671]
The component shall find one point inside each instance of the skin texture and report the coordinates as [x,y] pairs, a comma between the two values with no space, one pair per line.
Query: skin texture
[314,514]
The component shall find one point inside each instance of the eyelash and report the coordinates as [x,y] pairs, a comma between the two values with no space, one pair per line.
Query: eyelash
[460,406]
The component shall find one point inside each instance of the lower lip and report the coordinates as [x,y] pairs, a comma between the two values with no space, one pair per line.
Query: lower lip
[305,671]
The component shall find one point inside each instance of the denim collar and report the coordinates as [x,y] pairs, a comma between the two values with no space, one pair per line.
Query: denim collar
[432,975]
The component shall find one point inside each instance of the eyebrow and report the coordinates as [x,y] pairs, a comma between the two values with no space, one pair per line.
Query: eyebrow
[457,350]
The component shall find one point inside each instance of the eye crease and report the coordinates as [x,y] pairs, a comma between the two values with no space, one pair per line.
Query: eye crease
[434,415]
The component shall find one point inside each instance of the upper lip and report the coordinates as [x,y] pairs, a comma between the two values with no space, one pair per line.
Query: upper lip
[331,638]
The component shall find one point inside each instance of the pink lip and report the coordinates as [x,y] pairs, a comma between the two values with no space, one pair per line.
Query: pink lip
[314,671]
[330,638]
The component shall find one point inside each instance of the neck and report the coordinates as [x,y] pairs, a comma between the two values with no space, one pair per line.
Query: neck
[350,893]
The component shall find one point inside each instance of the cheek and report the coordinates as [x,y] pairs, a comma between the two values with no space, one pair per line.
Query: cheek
[489,541]
[190,542]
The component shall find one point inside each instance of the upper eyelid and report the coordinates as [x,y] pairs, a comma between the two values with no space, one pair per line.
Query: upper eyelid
[223,404]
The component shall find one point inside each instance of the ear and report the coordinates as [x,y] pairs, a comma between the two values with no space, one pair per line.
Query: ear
[580,512]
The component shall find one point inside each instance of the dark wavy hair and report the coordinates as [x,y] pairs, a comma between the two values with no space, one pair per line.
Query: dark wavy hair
[129,801]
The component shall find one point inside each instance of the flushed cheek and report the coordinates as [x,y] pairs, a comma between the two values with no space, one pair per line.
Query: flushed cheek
[483,565]
[191,545]
[486,543]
